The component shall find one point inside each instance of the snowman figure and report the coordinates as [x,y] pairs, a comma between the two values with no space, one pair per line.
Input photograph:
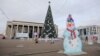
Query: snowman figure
[72,43]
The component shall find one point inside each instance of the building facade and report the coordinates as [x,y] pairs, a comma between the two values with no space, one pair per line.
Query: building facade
[87,32]
[18,29]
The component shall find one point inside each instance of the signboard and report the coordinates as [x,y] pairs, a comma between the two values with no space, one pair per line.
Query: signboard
[90,41]
[98,39]
[22,35]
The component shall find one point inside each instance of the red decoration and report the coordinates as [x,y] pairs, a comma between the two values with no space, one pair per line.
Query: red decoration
[72,32]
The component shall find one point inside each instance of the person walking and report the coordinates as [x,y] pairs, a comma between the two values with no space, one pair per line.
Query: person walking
[36,37]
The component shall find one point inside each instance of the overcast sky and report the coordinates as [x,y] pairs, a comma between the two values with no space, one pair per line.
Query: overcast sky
[84,12]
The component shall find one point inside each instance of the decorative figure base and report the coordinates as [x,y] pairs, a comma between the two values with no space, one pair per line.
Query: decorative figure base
[70,54]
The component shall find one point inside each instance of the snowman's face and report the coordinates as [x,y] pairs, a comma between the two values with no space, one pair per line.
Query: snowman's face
[70,25]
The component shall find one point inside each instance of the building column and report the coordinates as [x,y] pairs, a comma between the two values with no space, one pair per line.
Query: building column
[17,29]
[38,31]
[22,29]
[96,29]
[33,32]
[86,31]
[90,31]
[82,33]
[11,31]
[28,29]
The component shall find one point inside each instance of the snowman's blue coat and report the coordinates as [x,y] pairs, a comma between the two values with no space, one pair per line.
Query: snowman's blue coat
[67,48]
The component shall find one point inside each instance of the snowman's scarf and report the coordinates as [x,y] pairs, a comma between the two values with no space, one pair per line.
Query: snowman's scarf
[72,33]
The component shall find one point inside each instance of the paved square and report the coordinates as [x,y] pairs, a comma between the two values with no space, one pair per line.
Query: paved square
[29,48]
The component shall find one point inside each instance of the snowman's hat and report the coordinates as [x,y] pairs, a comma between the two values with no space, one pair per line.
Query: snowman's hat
[70,19]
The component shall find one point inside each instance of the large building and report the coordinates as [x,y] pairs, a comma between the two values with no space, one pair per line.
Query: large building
[17,29]
[21,29]
[86,32]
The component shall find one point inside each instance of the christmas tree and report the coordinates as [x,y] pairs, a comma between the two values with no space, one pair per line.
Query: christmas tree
[49,28]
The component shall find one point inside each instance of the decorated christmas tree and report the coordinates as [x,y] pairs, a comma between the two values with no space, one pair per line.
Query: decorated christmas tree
[49,27]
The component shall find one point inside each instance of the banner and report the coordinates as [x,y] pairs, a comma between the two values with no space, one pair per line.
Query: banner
[21,35]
